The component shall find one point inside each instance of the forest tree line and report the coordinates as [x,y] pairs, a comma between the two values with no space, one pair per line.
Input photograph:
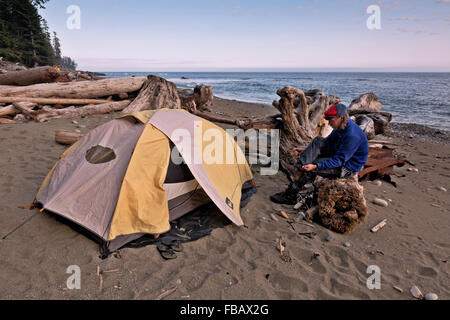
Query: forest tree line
[25,37]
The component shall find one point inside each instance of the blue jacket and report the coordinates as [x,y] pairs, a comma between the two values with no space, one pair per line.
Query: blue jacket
[350,148]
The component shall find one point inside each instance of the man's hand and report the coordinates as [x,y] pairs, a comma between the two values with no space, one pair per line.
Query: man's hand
[297,151]
[309,167]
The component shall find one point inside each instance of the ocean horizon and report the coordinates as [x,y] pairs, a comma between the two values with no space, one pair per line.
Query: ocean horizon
[412,97]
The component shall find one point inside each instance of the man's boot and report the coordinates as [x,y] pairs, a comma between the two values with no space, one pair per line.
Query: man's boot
[287,197]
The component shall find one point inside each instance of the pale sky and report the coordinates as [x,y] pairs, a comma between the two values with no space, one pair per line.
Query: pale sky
[254,35]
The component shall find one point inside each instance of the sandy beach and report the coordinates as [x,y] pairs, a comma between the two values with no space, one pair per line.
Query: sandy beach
[233,263]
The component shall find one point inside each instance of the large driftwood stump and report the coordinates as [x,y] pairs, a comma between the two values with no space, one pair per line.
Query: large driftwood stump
[365,110]
[187,99]
[201,99]
[366,102]
[156,93]
[300,121]
[342,206]
[29,77]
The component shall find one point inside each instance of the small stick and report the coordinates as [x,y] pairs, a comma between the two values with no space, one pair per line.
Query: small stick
[280,244]
[291,224]
[398,289]
[306,224]
[283,214]
[110,271]
[101,282]
[379,226]
[166,293]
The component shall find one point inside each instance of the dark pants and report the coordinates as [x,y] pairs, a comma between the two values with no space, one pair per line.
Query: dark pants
[318,151]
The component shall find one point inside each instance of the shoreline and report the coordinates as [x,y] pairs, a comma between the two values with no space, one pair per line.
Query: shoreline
[410,130]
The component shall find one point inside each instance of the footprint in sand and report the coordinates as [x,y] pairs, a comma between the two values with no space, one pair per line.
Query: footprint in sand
[346,291]
[280,281]
[427,271]
[443,244]
[196,282]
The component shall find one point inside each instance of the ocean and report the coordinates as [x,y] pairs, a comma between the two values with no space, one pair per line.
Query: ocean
[422,98]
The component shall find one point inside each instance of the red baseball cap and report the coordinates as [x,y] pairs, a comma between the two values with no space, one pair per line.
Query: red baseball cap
[336,110]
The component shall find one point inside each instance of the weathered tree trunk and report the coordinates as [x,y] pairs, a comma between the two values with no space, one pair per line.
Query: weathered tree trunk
[29,77]
[268,123]
[366,124]
[47,113]
[380,121]
[7,121]
[156,93]
[77,90]
[212,118]
[200,99]
[67,137]
[203,97]
[187,100]
[366,102]
[8,110]
[300,121]
[26,108]
[52,100]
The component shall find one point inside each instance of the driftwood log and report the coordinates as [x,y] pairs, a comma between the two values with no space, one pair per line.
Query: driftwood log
[366,112]
[366,124]
[66,137]
[47,113]
[372,123]
[7,121]
[300,121]
[29,77]
[76,90]
[201,99]
[52,100]
[26,108]
[156,93]
[8,110]
[367,102]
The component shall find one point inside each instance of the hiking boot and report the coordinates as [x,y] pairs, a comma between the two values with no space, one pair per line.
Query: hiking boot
[283,198]
[287,197]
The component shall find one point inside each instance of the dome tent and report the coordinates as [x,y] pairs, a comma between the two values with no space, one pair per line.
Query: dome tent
[120,181]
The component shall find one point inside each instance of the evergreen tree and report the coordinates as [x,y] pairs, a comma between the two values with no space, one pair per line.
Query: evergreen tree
[68,64]
[56,48]
[24,34]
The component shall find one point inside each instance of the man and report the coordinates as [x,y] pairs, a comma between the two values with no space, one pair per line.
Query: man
[341,155]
